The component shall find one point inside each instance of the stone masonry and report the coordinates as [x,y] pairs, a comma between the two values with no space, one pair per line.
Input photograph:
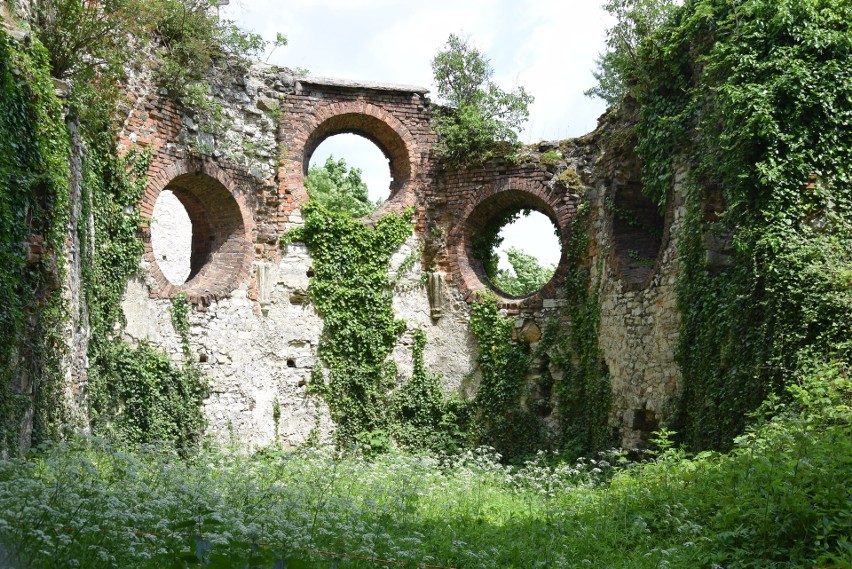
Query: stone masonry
[254,330]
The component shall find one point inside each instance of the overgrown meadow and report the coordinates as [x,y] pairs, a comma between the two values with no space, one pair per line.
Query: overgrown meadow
[781,498]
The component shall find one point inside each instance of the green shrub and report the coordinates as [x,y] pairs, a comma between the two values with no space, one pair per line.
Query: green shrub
[480,114]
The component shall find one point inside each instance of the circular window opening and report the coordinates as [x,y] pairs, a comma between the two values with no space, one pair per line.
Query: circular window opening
[519,250]
[198,238]
[349,174]
[171,238]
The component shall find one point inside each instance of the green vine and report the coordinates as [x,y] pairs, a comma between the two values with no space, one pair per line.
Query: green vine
[422,417]
[504,363]
[759,91]
[352,291]
[584,395]
[136,393]
[34,150]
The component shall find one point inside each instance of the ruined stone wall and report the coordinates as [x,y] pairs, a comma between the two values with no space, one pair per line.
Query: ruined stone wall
[635,263]
[253,328]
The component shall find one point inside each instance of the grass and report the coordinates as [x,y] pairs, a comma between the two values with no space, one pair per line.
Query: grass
[780,499]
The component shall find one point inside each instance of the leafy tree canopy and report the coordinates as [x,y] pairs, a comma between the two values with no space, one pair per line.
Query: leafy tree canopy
[525,277]
[481,113]
[616,68]
[338,188]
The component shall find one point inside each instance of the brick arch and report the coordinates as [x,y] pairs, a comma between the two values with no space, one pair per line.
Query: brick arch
[495,199]
[370,121]
[221,230]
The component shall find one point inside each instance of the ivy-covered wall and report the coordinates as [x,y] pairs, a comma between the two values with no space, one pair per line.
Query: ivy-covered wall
[34,153]
[705,253]
[757,93]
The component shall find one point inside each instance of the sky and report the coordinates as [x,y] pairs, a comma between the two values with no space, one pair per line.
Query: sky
[548,46]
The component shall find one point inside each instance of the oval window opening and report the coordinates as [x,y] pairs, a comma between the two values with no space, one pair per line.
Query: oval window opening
[349,173]
[171,237]
[523,254]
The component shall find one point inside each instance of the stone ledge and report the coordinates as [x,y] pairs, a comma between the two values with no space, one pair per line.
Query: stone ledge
[351,84]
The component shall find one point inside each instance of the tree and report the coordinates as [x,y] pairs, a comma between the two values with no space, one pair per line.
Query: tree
[636,20]
[339,189]
[479,113]
[525,277]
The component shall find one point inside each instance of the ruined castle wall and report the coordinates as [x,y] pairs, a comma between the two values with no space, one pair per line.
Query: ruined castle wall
[253,328]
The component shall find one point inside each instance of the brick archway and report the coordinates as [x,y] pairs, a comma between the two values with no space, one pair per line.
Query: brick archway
[506,195]
[396,119]
[369,121]
[379,132]
[221,230]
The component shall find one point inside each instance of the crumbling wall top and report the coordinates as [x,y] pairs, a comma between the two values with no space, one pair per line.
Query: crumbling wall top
[372,86]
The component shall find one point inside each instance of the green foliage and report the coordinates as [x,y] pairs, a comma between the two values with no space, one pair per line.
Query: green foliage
[339,189]
[89,43]
[423,418]
[551,158]
[617,69]
[85,38]
[112,187]
[504,364]
[352,291]
[93,43]
[480,114]
[526,276]
[136,394]
[570,179]
[34,150]
[760,90]
[780,499]
[192,40]
[140,396]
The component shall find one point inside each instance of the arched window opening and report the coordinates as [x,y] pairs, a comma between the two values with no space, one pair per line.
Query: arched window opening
[637,232]
[171,238]
[198,242]
[349,173]
[514,243]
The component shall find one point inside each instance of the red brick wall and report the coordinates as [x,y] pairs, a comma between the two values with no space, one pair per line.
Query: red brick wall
[237,218]
[397,121]
[465,201]
[220,199]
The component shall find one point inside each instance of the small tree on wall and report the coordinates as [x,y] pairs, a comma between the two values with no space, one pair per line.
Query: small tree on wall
[480,113]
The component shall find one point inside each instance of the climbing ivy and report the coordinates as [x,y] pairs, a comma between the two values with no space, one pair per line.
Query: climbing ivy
[501,421]
[34,149]
[34,181]
[352,291]
[422,416]
[136,393]
[584,394]
[759,91]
